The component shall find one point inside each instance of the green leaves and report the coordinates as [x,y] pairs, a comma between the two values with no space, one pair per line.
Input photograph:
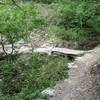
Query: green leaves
[26,76]
[79,18]
[94,23]
[14,22]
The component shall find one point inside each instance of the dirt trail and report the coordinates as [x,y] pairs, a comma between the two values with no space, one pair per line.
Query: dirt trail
[84,80]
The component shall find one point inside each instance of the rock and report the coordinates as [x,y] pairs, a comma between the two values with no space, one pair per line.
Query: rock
[48,92]
[72,65]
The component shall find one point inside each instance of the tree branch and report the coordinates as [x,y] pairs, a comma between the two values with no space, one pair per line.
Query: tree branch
[14,3]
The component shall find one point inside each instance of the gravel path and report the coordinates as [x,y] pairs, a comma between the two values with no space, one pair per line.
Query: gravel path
[84,80]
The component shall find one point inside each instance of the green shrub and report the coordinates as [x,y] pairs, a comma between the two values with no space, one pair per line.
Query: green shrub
[76,34]
[51,1]
[27,76]
[80,19]
[77,14]
[46,1]
[94,24]
[14,22]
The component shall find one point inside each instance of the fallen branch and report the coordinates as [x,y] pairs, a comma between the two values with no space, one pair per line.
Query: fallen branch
[26,48]
[50,50]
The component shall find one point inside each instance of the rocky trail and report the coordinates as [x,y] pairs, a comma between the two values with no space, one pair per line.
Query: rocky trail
[84,79]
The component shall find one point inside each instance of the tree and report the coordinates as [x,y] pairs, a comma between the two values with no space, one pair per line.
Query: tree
[15,21]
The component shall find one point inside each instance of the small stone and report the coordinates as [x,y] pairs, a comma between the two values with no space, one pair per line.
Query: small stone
[48,92]
[72,65]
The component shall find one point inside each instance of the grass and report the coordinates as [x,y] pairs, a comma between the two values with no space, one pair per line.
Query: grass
[25,77]
[98,46]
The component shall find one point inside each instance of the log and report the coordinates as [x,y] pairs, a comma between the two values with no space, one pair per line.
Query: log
[50,50]
[26,48]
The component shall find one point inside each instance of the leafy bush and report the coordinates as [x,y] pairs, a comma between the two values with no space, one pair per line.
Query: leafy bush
[14,23]
[76,34]
[80,19]
[51,1]
[45,1]
[27,76]
[17,21]
[94,24]
[77,14]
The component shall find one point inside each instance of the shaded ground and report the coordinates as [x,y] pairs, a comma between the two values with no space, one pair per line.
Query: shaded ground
[91,43]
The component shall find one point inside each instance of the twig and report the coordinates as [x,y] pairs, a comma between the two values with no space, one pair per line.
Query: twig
[2,44]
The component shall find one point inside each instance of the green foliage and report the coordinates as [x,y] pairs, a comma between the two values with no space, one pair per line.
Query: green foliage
[94,24]
[50,1]
[76,34]
[24,77]
[80,19]
[45,1]
[16,22]
[13,21]
[72,20]
[76,14]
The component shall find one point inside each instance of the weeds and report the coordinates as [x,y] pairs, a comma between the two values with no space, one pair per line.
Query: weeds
[25,77]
